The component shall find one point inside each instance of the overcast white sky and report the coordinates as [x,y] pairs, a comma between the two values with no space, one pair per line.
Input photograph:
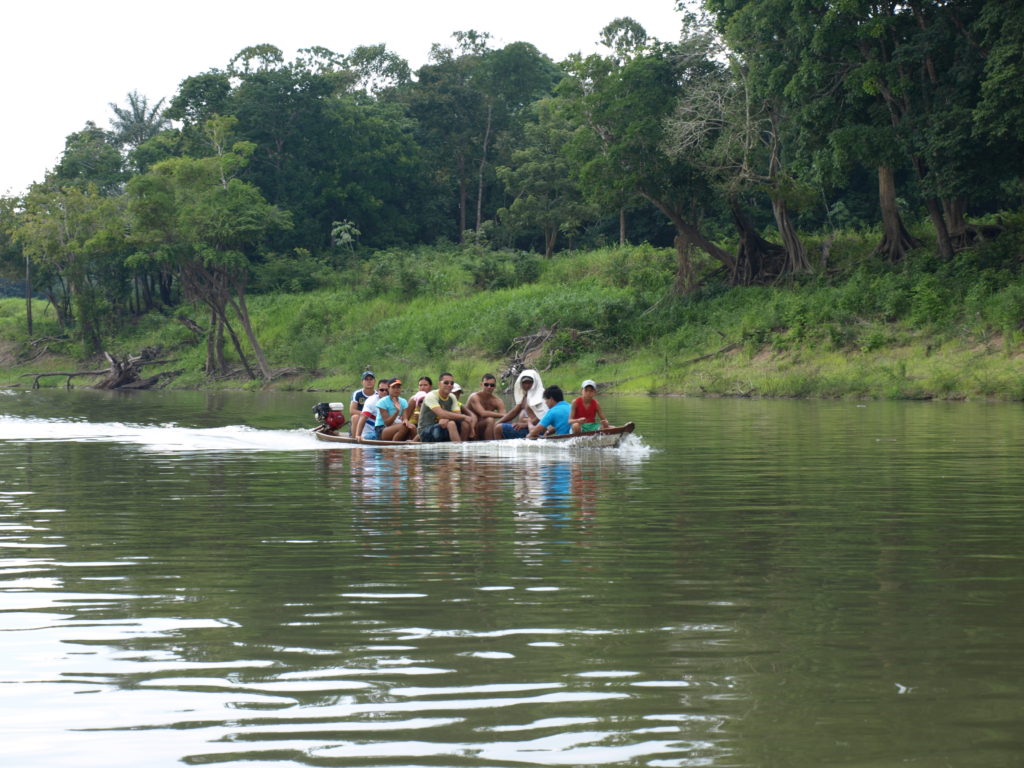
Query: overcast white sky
[64,61]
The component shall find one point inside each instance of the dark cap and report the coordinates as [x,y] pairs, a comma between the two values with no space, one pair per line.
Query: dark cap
[368,375]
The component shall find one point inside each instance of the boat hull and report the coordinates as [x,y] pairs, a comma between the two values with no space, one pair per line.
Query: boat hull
[617,433]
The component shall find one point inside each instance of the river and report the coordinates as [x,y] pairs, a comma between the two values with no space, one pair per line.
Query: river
[189,578]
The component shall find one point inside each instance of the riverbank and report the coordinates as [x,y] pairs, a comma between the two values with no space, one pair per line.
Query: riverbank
[922,366]
[922,329]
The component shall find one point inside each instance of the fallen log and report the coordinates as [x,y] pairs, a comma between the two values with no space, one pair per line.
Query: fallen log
[122,373]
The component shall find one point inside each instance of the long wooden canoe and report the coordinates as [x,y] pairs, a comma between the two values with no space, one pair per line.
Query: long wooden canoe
[615,432]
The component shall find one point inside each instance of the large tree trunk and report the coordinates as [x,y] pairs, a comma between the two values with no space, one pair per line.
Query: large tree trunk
[550,238]
[756,256]
[215,363]
[243,315]
[955,211]
[796,253]
[236,343]
[941,232]
[936,214]
[684,282]
[692,237]
[896,240]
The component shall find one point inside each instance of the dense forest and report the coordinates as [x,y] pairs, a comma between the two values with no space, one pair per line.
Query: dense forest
[747,146]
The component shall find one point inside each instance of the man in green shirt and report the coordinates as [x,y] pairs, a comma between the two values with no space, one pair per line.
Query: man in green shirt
[441,417]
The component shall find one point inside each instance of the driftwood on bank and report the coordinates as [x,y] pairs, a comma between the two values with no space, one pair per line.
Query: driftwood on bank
[124,372]
[522,352]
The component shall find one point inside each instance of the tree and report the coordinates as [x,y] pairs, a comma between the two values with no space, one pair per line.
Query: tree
[540,179]
[467,104]
[625,107]
[77,237]
[894,85]
[197,214]
[137,123]
[723,126]
[13,262]
[377,69]
[91,158]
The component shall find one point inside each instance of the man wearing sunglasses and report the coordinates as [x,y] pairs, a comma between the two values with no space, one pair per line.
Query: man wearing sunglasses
[486,406]
[441,417]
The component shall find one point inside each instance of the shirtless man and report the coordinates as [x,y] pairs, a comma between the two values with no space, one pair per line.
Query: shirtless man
[486,406]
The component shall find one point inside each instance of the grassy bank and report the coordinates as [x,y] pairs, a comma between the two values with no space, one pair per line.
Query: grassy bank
[856,328]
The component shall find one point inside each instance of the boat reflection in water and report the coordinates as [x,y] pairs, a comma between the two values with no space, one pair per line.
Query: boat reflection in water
[528,477]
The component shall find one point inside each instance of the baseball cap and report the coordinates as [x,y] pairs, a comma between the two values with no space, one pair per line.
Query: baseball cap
[368,375]
[588,383]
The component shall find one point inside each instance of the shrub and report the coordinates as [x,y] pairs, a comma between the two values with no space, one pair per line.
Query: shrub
[1005,308]
[929,302]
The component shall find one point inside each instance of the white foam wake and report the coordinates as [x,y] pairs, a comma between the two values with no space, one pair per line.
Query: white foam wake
[162,438]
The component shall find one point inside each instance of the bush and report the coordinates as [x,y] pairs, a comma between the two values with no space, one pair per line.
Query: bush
[930,302]
[1005,309]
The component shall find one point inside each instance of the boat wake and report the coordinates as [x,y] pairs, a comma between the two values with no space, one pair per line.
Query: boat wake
[158,438]
[171,438]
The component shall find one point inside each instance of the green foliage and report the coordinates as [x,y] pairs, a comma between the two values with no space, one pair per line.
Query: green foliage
[1004,309]
[296,272]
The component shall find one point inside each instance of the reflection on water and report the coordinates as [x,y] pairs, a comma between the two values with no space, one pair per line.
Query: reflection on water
[748,584]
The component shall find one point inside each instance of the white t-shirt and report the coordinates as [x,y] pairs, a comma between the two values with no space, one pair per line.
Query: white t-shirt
[370,407]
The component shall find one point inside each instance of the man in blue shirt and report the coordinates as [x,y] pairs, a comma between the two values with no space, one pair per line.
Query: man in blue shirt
[556,420]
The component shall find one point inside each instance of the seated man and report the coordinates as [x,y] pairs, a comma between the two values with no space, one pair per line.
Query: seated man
[486,406]
[556,420]
[355,409]
[441,418]
[526,412]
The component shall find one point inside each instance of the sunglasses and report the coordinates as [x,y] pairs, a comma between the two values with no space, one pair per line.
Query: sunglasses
[382,389]
[491,385]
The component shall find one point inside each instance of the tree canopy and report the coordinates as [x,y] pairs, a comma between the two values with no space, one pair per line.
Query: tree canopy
[764,120]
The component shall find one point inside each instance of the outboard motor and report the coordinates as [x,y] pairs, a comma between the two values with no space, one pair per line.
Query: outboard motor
[331,415]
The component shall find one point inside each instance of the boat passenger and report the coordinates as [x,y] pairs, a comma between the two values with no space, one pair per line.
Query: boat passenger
[368,425]
[527,411]
[412,413]
[391,423]
[486,406]
[355,408]
[556,420]
[441,417]
[470,416]
[586,412]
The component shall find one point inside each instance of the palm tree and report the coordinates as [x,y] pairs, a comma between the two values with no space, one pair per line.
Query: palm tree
[137,123]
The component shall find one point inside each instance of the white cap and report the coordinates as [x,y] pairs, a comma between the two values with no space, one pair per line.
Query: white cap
[456,387]
[588,383]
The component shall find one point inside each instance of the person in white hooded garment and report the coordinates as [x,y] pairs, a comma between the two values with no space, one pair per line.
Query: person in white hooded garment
[528,410]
